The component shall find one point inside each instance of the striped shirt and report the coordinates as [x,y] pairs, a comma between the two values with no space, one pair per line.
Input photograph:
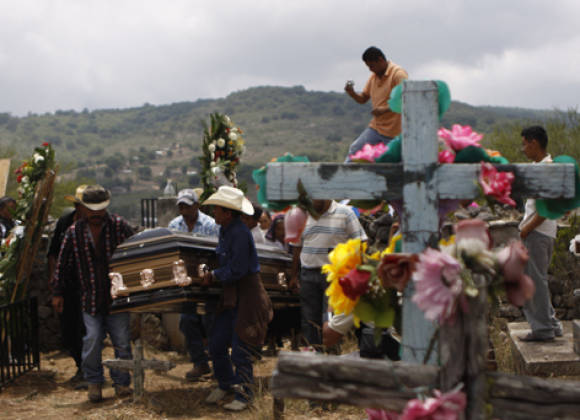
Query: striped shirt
[337,225]
[204,225]
[80,258]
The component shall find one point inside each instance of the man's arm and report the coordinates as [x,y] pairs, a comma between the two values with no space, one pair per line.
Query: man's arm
[294,280]
[361,98]
[535,221]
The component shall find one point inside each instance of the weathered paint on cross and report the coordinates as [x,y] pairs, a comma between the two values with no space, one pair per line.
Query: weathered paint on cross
[421,182]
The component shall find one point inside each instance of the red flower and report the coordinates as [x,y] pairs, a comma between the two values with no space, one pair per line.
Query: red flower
[395,270]
[446,156]
[19,178]
[355,283]
[496,184]
[46,144]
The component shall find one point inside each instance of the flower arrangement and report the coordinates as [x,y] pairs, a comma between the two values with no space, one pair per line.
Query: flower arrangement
[222,146]
[366,284]
[28,228]
[442,406]
[444,278]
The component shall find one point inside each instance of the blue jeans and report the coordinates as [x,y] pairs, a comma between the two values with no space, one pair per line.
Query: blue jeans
[223,336]
[368,136]
[194,328]
[313,304]
[117,325]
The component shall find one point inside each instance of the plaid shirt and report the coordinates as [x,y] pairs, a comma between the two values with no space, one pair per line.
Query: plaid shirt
[204,225]
[77,259]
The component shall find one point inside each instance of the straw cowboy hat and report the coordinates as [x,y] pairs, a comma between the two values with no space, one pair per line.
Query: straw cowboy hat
[230,198]
[78,194]
[95,198]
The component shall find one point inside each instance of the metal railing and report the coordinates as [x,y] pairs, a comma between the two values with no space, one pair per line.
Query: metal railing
[19,349]
[149,212]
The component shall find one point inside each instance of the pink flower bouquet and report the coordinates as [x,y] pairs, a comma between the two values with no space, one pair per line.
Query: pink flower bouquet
[459,137]
[496,184]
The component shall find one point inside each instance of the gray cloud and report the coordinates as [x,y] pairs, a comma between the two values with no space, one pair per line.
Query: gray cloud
[67,54]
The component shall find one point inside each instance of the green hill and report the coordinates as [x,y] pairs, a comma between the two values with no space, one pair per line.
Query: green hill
[133,151]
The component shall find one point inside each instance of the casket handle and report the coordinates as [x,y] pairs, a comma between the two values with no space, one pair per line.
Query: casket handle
[282,280]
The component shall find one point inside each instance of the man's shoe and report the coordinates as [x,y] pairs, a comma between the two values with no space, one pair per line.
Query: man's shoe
[197,372]
[236,405]
[533,337]
[122,391]
[95,393]
[216,395]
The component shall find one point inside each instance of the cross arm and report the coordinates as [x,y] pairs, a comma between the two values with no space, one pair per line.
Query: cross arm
[385,181]
[128,364]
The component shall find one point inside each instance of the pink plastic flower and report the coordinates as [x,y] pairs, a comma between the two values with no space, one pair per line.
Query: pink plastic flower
[472,229]
[294,223]
[369,152]
[496,184]
[459,137]
[446,156]
[376,414]
[438,285]
[447,406]
[512,260]
[355,283]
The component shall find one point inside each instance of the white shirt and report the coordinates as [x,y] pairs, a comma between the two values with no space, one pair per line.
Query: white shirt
[258,235]
[548,227]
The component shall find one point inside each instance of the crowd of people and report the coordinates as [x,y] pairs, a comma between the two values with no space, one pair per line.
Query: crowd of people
[230,332]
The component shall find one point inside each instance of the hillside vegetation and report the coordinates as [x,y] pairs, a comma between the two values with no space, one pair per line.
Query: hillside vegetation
[133,151]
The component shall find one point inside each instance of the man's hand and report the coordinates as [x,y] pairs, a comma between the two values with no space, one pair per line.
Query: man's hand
[294,284]
[58,304]
[329,336]
[349,87]
[207,278]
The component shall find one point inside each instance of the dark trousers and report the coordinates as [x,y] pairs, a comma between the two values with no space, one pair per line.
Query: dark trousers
[222,337]
[194,328]
[72,327]
[313,304]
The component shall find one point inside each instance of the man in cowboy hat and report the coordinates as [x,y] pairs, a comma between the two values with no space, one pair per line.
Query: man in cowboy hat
[244,310]
[72,328]
[191,324]
[85,254]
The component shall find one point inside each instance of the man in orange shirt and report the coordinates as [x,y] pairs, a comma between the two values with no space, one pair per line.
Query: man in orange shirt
[385,123]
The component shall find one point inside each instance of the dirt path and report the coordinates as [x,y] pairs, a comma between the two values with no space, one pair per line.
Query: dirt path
[45,394]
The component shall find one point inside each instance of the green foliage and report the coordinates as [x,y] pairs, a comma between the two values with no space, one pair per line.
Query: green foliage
[563,136]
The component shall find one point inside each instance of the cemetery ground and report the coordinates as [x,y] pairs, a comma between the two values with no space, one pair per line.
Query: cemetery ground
[45,394]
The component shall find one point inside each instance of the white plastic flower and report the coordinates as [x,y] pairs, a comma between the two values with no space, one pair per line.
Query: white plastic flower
[233,136]
[37,157]
[19,231]
[228,121]
[211,147]
[25,180]
[221,142]
[212,164]
[212,155]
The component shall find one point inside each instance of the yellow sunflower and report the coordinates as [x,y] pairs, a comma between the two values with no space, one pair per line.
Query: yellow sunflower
[344,258]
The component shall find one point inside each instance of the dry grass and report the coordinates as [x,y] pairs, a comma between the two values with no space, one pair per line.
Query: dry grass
[45,394]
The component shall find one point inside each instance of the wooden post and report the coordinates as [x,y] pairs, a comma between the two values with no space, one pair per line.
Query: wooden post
[419,221]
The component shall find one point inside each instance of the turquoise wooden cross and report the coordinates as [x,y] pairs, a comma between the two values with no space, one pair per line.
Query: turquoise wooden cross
[421,182]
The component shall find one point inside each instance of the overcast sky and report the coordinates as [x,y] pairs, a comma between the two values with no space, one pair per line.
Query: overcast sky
[75,54]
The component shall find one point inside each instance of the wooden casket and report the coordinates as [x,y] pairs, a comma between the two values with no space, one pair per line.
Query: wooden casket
[147,262]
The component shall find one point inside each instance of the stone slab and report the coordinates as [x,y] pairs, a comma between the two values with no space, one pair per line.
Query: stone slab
[551,358]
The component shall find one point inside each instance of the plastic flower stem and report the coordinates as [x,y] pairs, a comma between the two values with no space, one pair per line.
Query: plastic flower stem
[432,342]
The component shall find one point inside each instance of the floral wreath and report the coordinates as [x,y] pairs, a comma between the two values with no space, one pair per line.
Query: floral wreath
[222,148]
[28,176]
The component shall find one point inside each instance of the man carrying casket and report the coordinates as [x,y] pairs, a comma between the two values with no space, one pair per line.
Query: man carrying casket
[85,254]
[244,309]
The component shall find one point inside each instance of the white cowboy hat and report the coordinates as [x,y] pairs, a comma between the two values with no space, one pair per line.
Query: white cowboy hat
[230,198]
